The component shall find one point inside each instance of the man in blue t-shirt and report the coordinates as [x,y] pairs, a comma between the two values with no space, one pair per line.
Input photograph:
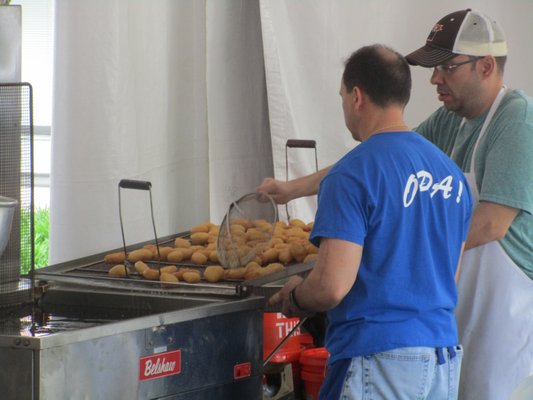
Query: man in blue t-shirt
[392,218]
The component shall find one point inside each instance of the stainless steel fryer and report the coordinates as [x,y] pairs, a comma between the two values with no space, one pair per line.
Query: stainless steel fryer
[93,336]
[86,344]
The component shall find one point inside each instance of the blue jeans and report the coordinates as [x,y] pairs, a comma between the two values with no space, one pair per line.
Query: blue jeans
[409,373]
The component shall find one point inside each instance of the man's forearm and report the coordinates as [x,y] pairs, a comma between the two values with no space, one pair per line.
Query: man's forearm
[332,277]
[307,185]
[490,221]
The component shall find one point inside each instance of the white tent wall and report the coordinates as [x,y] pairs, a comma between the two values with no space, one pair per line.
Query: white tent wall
[173,92]
[129,102]
[306,42]
[239,137]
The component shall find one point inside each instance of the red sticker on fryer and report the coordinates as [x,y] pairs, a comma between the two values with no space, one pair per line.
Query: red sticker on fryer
[160,365]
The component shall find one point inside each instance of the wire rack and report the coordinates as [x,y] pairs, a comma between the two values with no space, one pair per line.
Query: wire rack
[16,181]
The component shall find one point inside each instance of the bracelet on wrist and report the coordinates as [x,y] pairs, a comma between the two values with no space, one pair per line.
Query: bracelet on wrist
[292,299]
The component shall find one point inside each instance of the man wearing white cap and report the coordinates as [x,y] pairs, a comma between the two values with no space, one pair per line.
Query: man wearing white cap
[488,131]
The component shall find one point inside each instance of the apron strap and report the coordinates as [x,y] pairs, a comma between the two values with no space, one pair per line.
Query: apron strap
[486,123]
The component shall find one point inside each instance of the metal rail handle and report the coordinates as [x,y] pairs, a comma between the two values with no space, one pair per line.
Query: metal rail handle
[302,144]
[138,185]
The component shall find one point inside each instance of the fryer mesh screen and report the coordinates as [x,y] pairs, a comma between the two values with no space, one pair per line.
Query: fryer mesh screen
[16,181]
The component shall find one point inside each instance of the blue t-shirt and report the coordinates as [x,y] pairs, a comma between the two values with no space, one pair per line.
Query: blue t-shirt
[409,206]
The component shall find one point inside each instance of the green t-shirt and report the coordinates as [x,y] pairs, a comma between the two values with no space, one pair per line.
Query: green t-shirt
[503,164]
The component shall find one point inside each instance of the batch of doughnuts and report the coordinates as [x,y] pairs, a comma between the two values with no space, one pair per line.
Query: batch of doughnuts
[198,251]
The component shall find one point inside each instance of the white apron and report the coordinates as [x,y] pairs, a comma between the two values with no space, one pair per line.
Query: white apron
[494,314]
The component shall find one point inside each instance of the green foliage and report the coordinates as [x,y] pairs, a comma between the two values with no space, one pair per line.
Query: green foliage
[42,224]
[25,242]
[41,229]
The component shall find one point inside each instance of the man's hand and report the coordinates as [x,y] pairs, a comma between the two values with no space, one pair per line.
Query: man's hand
[327,283]
[283,296]
[278,190]
[283,192]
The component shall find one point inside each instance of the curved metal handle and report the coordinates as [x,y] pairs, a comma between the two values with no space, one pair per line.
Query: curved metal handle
[139,185]
[133,184]
[302,143]
[297,143]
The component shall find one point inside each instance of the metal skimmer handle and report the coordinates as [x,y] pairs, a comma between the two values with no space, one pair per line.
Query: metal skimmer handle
[138,185]
[302,144]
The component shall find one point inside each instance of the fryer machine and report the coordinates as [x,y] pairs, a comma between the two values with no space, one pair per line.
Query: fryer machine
[86,344]
[70,331]
[91,336]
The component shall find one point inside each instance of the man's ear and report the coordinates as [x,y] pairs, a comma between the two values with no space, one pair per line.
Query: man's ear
[487,65]
[357,97]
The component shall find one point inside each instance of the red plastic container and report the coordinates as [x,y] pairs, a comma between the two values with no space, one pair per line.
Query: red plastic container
[306,340]
[314,360]
[312,383]
[313,367]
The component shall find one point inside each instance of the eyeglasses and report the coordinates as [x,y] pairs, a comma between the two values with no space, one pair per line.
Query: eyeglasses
[449,69]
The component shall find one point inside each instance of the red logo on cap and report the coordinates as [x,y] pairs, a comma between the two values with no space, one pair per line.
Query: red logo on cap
[436,28]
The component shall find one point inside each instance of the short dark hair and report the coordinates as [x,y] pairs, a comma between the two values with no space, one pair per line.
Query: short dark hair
[382,73]
[500,61]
